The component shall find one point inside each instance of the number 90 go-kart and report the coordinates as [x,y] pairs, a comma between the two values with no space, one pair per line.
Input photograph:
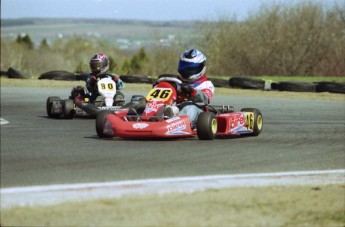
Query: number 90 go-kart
[107,99]
[154,122]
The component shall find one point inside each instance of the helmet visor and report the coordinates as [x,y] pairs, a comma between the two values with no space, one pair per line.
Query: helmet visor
[96,66]
[187,69]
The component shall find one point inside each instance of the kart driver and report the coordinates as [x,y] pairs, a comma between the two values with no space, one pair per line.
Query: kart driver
[99,65]
[196,87]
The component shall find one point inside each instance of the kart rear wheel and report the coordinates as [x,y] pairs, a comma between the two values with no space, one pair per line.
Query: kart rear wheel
[207,126]
[100,121]
[68,109]
[258,120]
[49,106]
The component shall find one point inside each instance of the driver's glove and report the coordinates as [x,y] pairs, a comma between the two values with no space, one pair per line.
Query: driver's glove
[188,90]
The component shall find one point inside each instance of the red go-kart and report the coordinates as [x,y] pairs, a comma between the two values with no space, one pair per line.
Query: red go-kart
[156,122]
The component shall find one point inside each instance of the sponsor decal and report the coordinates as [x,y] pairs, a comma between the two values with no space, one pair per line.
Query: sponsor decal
[140,125]
[153,106]
[109,107]
[172,119]
[177,128]
[238,124]
[237,119]
[240,129]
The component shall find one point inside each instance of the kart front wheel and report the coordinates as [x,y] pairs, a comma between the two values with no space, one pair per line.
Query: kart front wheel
[207,126]
[100,121]
[258,120]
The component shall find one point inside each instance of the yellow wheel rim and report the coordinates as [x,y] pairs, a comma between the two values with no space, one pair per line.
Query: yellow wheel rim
[214,126]
[259,122]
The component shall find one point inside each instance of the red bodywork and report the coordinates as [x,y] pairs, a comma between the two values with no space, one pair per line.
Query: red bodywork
[121,124]
[176,127]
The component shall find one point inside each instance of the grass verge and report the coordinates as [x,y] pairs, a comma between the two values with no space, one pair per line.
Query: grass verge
[6,82]
[246,206]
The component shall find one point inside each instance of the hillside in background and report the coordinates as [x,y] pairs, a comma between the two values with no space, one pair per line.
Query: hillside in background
[126,34]
[278,40]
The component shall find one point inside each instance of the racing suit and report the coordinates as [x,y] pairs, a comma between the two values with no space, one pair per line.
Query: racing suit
[201,92]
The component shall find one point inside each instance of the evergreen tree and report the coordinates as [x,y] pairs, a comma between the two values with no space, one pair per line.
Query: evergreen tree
[44,44]
[26,40]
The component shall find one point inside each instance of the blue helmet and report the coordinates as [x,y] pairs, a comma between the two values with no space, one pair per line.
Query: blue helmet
[192,65]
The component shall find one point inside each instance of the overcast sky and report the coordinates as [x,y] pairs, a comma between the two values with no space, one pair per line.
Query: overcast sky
[136,9]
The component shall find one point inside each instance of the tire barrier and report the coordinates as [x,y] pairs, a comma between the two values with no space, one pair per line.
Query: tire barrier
[17,74]
[219,82]
[234,82]
[331,87]
[82,76]
[58,75]
[3,73]
[167,75]
[248,83]
[136,79]
[296,86]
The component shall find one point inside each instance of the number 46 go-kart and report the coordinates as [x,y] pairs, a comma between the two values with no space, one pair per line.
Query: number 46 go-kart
[90,106]
[156,122]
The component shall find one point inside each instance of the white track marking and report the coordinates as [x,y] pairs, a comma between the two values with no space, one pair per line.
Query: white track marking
[3,121]
[54,194]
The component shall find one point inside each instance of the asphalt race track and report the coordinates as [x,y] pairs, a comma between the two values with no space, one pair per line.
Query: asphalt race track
[298,135]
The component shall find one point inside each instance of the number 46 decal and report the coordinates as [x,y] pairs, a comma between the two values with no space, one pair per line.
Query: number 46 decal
[250,120]
[159,93]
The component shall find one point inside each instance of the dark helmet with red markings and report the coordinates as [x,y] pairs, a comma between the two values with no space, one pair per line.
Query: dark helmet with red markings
[99,64]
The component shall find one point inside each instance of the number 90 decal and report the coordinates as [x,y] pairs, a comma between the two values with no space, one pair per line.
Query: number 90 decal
[107,86]
[159,93]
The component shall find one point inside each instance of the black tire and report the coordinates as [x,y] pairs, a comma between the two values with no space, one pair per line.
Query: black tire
[219,82]
[49,106]
[247,83]
[274,85]
[136,79]
[100,120]
[82,76]
[168,75]
[58,75]
[332,87]
[296,86]
[206,126]
[258,120]
[68,109]
[17,74]
[3,73]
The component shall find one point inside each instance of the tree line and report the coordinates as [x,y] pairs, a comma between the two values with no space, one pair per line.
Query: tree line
[303,39]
